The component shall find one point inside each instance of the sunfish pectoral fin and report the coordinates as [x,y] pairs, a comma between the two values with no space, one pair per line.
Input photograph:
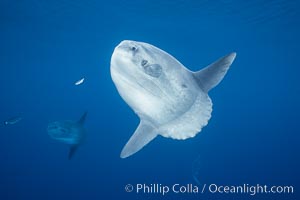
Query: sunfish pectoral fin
[212,75]
[142,136]
[72,151]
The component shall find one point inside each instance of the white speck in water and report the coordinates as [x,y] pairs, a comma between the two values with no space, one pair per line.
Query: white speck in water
[79,82]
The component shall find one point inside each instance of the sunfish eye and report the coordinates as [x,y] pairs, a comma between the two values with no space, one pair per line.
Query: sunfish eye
[154,70]
[133,48]
[144,62]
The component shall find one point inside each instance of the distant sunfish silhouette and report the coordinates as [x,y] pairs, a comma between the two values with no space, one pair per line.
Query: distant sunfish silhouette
[169,99]
[12,120]
[69,132]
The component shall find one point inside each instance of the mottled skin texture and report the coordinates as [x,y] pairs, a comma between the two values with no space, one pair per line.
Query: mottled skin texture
[157,99]
[68,132]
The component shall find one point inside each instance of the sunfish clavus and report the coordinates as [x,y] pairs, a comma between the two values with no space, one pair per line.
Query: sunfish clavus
[169,99]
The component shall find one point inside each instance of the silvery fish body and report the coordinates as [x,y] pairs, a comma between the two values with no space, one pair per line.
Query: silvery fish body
[69,132]
[12,120]
[169,99]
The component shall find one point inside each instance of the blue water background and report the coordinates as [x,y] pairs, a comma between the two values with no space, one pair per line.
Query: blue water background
[252,137]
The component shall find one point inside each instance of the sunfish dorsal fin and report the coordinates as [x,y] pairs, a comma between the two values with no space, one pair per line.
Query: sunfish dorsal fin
[142,136]
[82,118]
[212,75]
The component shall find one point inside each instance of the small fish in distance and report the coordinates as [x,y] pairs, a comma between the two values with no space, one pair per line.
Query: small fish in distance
[79,82]
[12,120]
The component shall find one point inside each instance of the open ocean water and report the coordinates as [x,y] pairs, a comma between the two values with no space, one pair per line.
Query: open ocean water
[252,137]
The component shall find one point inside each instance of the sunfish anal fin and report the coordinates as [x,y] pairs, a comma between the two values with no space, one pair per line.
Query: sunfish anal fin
[142,136]
[72,150]
[211,76]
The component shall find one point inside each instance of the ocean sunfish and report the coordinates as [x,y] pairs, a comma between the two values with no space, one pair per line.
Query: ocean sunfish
[69,132]
[12,120]
[169,99]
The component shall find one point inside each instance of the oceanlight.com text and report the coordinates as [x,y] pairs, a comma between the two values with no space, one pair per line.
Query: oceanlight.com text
[163,189]
[249,189]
